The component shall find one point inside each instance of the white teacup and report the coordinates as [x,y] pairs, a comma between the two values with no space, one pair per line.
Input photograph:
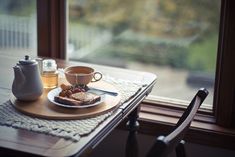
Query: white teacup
[81,75]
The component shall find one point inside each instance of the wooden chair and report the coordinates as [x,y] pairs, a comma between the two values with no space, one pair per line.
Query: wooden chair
[174,141]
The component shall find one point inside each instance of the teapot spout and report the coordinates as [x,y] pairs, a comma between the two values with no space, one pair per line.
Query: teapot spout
[19,76]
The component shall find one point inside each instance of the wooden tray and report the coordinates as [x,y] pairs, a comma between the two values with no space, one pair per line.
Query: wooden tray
[43,108]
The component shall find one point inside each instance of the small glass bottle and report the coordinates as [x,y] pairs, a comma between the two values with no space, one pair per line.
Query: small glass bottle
[49,73]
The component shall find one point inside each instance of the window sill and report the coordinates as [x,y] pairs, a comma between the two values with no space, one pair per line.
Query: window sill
[157,120]
[174,103]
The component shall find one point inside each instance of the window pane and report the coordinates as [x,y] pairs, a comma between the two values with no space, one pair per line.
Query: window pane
[18,29]
[177,40]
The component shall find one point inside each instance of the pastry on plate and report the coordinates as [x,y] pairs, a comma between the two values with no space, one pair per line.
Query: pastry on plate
[76,96]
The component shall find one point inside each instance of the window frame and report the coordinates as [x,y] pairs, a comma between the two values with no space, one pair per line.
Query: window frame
[52,39]
[224,97]
[51,28]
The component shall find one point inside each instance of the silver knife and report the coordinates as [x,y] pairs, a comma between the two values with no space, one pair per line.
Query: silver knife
[101,91]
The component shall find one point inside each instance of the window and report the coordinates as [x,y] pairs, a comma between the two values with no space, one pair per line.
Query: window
[18,31]
[177,40]
[223,104]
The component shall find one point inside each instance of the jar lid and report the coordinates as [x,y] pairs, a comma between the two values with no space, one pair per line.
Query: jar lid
[49,65]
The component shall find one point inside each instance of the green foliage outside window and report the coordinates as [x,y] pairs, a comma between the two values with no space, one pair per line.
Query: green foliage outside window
[162,24]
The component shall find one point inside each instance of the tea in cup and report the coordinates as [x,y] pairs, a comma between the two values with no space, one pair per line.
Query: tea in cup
[81,75]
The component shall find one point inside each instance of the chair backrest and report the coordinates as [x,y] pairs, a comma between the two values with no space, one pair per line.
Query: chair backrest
[166,144]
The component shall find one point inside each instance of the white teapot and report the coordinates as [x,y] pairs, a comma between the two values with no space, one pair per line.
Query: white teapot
[27,84]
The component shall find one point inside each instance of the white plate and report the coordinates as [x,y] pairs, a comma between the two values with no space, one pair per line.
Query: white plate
[56,91]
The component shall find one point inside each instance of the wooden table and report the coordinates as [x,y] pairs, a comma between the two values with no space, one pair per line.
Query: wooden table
[21,142]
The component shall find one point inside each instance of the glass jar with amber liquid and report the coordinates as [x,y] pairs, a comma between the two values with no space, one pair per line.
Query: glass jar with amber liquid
[49,73]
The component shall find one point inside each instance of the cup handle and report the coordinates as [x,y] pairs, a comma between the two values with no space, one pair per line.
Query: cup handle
[96,77]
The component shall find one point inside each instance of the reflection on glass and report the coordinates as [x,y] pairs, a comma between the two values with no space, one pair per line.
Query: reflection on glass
[177,40]
[18,35]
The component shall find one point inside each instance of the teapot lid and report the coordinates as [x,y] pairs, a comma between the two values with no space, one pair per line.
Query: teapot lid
[26,60]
